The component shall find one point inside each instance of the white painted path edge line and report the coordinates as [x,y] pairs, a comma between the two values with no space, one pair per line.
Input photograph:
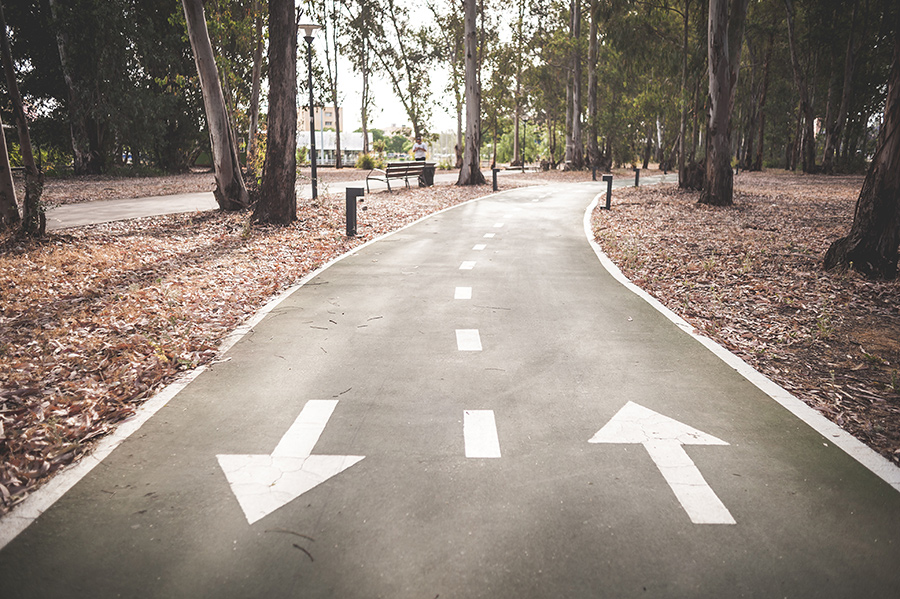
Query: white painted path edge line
[855,448]
[43,498]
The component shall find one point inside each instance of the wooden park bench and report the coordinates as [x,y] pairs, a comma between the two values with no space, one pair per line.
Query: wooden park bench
[396,170]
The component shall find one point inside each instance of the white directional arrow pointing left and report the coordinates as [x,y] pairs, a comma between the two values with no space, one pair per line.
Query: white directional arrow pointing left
[663,438]
[264,483]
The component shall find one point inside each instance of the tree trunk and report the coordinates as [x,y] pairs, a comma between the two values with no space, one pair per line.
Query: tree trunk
[575,159]
[9,208]
[230,192]
[254,89]
[470,173]
[808,142]
[682,154]
[85,160]
[33,220]
[871,246]
[726,29]
[833,135]
[278,195]
[758,162]
[593,102]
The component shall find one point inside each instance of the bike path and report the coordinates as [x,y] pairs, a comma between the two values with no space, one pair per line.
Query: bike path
[466,467]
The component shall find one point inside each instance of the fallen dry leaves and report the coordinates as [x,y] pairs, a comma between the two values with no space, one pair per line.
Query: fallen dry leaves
[95,320]
[750,277]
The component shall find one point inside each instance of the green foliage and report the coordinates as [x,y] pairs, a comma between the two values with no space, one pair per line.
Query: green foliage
[369,161]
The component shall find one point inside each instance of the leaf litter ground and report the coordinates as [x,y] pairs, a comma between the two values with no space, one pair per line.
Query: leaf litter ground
[95,320]
[750,277]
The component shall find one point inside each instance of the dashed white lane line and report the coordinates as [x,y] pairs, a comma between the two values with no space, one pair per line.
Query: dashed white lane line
[480,433]
[479,246]
[489,235]
[498,225]
[468,340]
[463,293]
[467,265]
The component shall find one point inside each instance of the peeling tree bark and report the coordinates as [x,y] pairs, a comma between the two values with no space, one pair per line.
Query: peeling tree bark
[872,244]
[726,29]
[470,173]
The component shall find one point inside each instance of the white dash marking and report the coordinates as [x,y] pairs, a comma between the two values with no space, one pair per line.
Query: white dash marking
[463,293]
[498,225]
[480,432]
[479,246]
[489,235]
[467,265]
[468,340]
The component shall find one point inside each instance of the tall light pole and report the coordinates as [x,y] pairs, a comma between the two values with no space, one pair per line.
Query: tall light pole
[308,29]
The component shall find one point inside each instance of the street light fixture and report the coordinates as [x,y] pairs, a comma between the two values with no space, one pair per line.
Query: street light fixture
[308,29]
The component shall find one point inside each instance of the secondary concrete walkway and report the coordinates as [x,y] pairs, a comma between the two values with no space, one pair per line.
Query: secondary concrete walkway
[87,213]
[471,407]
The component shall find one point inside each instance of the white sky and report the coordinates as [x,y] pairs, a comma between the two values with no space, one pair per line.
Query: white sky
[387,110]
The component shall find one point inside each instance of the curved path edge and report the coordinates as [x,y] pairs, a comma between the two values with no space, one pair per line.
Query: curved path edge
[859,451]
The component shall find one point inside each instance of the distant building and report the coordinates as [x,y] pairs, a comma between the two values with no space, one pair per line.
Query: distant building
[326,147]
[327,117]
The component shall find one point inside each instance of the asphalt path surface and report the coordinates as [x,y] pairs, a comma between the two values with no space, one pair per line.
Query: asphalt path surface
[471,407]
[104,211]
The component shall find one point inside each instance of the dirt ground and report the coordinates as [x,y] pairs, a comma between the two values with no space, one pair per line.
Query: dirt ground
[95,320]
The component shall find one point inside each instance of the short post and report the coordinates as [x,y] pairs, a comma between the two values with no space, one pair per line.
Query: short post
[594,173]
[494,172]
[637,176]
[608,179]
[351,197]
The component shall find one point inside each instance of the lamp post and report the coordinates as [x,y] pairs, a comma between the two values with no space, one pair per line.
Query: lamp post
[308,29]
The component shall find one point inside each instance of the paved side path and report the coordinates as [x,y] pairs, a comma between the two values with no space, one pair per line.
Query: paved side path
[104,211]
[471,407]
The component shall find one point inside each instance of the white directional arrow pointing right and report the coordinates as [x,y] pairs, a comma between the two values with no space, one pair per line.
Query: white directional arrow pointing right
[264,483]
[663,438]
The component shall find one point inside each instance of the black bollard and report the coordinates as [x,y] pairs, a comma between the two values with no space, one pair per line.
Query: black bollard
[594,173]
[494,171]
[351,197]
[608,179]
[637,177]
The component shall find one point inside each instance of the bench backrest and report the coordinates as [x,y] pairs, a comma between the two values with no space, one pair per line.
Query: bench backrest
[401,169]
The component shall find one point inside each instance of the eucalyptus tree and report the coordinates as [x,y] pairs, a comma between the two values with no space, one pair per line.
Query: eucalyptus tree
[277,201]
[448,42]
[725,39]
[258,12]
[230,192]
[33,219]
[404,58]
[470,172]
[332,19]
[574,139]
[365,27]
[871,245]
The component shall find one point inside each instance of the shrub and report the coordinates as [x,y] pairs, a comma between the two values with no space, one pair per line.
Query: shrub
[368,161]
